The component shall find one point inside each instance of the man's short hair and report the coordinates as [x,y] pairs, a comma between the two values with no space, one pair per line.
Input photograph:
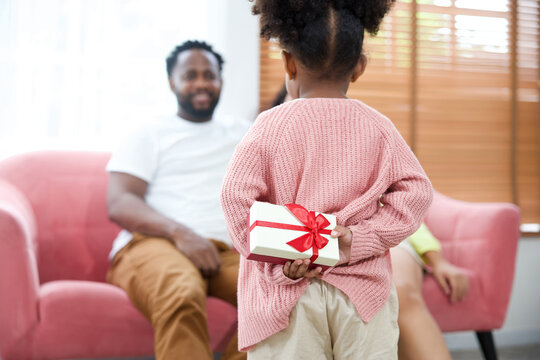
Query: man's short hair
[188,45]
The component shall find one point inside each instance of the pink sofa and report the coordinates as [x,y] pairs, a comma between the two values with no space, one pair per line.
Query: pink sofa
[54,242]
[55,237]
[482,238]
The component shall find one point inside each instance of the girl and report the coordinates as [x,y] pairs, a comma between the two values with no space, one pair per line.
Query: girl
[334,155]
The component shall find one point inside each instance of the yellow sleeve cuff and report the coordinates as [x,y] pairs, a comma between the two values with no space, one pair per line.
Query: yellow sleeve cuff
[423,241]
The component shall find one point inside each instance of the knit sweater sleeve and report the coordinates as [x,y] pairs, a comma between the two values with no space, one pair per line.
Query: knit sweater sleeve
[244,184]
[405,201]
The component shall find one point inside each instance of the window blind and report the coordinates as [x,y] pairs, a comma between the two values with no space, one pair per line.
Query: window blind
[459,79]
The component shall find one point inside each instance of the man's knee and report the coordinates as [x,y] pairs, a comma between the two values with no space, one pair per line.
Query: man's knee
[178,291]
[179,301]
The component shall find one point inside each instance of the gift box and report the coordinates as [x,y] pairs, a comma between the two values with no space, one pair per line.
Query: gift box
[278,234]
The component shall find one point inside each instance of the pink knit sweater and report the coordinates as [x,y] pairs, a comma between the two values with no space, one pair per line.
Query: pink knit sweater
[335,156]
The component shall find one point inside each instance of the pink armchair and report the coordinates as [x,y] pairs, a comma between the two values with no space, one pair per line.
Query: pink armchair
[54,243]
[481,238]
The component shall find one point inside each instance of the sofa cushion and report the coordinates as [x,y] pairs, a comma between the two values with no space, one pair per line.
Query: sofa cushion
[71,312]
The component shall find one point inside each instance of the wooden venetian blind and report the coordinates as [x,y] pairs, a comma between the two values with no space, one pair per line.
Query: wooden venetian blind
[527,108]
[460,80]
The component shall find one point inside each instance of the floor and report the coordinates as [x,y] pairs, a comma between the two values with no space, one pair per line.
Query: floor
[528,352]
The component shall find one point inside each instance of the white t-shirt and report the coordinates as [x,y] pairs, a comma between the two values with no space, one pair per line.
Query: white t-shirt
[184,164]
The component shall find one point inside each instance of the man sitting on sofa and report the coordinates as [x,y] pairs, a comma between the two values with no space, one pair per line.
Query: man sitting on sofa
[163,191]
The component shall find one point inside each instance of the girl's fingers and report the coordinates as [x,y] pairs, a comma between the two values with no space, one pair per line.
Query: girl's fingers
[294,268]
[314,272]
[459,292]
[287,268]
[337,232]
[302,269]
[462,286]
[453,289]
[299,268]
[340,231]
[443,283]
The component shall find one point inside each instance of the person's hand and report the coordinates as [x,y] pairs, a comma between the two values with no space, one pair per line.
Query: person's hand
[451,279]
[299,268]
[344,235]
[201,251]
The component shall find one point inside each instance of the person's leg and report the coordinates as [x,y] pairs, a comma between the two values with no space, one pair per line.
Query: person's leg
[169,290]
[306,337]
[355,339]
[223,285]
[420,336]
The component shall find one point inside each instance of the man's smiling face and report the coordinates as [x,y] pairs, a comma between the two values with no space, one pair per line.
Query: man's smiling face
[196,82]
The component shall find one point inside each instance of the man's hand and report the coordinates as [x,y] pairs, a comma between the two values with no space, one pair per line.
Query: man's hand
[299,268]
[201,251]
[344,235]
[450,278]
[128,208]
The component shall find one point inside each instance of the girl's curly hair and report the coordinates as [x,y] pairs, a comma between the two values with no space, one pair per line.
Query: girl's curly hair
[325,35]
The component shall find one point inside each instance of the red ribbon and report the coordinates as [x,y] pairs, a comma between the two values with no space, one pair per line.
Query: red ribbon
[314,226]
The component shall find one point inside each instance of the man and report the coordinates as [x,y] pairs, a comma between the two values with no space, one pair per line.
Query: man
[164,190]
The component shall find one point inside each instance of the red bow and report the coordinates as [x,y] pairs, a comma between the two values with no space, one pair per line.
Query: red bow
[315,225]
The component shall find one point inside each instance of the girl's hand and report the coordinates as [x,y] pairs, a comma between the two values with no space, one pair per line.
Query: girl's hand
[299,268]
[344,235]
[450,278]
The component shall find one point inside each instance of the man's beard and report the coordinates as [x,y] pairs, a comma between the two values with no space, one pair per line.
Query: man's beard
[202,114]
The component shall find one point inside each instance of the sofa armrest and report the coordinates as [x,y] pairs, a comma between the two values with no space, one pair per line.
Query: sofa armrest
[19,280]
[483,239]
[450,219]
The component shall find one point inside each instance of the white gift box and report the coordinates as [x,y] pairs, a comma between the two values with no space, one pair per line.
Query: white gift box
[272,227]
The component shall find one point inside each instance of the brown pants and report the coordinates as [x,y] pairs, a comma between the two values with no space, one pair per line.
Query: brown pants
[170,291]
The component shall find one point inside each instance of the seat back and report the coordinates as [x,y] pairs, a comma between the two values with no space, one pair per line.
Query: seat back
[481,238]
[67,193]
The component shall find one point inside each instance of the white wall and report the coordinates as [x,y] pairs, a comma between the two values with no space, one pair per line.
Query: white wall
[235,29]
[522,324]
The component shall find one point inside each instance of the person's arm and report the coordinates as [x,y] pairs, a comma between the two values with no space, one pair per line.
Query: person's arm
[244,184]
[423,241]
[452,280]
[406,197]
[128,208]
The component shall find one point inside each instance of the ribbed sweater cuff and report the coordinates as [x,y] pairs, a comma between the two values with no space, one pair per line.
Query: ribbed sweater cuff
[274,274]
[364,244]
